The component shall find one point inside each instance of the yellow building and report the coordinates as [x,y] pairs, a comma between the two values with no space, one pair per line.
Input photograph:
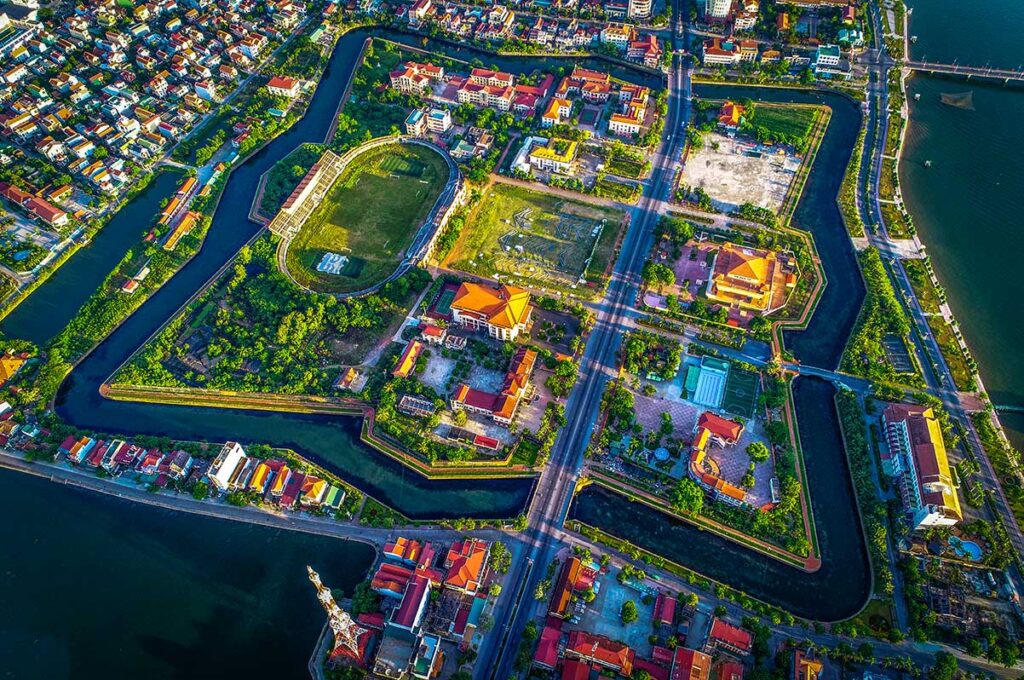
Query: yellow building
[9,365]
[750,278]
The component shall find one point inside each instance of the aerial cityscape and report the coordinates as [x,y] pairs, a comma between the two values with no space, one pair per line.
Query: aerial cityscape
[645,339]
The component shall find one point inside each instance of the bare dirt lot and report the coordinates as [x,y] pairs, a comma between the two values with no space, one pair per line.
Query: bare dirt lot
[739,171]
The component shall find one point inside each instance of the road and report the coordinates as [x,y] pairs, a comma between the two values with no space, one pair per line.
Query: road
[557,483]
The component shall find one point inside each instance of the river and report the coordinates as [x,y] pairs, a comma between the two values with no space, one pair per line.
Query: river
[967,206]
[94,586]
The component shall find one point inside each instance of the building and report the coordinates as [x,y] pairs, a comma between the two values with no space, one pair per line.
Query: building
[283,87]
[439,121]
[805,668]
[728,52]
[717,9]
[623,125]
[466,565]
[689,664]
[730,116]
[619,35]
[503,311]
[730,670]
[224,470]
[482,76]
[914,438]
[10,364]
[556,155]
[557,112]
[713,429]
[416,123]
[639,9]
[729,638]
[646,49]
[750,278]
[561,597]
[414,78]
[829,63]
[407,361]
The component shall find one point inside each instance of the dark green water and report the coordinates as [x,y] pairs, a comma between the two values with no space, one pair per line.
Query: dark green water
[97,587]
[968,205]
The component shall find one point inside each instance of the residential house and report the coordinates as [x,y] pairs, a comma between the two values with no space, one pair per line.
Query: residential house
[224,470]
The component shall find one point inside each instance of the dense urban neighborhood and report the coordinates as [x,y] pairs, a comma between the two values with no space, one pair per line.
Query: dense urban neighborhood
[601,322]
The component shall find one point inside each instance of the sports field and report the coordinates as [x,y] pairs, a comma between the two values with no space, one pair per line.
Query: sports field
[740,393]
[370,216]
[538,240]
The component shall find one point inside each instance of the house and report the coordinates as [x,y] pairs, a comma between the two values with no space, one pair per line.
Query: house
[439,121]
[754,279]
[829,63]
[482,76]
[466,565]
[313,491]
[556,155]
[415,123]
[729,638]
[924,477]
[407,361]
[710,429]
[283,87]
[664,610]
[600,651]
[503,311]
[689,664]
[546,654]
[229,462]
[730,116]
[730,670]
[500,407]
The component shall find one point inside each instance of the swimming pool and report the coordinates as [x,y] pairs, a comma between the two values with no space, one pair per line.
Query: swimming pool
[965,549]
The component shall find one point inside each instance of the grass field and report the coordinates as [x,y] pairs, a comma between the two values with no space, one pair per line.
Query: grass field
[538,240]
[740,393]
[921,282]
[790,124]
[370,215]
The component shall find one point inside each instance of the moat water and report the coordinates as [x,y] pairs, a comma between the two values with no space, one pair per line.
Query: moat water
[968,205]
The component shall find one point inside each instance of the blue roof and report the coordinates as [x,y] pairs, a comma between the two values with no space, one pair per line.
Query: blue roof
[414,117]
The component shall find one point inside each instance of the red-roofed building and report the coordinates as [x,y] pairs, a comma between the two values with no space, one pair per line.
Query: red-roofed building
[689,664]
[729,638]
[601,651]
[664,610]
[561,598]
[390,580]
[730,670]
[577,670]
[657,672]
[283,87]
[374,620]
[727,431]
[546,655]
[409,614]
[731,115]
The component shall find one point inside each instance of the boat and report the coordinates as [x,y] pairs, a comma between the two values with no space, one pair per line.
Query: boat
[917,97]
[927,164]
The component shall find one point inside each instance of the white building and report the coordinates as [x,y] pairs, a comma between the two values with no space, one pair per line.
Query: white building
[639,9]
[439,121]
[226,466]
[718,9]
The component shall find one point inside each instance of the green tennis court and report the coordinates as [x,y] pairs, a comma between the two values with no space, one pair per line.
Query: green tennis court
[444,302]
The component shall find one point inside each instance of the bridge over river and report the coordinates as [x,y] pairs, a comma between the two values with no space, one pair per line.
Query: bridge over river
[955,69]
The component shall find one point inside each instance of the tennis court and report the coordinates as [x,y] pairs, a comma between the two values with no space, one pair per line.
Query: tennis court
[444,302]
[741,393]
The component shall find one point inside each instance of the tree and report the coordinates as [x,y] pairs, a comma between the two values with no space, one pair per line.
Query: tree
[758,452]
[494,590]
[201,491]
[692,600]
[656,274]
[944,668]
[721,611]
[687,496]
[460,418]
[629,612]
[640,675]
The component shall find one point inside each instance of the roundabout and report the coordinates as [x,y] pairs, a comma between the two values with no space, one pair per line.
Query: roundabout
[358,221]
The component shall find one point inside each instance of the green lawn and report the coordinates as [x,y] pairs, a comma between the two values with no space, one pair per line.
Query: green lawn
[538,240]
[787,124]
[370,215]
[951,352]
[922,285]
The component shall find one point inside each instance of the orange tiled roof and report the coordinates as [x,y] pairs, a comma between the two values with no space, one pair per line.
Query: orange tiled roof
[504,306]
